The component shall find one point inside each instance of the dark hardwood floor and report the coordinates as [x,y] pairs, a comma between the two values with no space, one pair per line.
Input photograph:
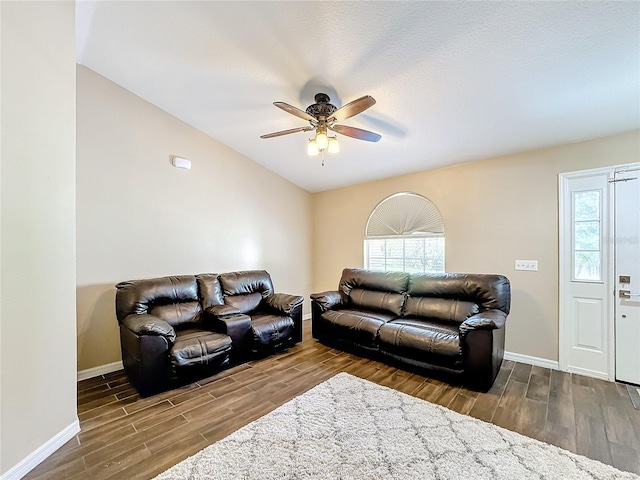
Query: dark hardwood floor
[126,437]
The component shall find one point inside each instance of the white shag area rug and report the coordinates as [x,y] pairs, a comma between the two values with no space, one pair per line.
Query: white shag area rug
[349,428]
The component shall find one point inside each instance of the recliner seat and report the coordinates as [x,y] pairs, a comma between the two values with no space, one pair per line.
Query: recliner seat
[251,293]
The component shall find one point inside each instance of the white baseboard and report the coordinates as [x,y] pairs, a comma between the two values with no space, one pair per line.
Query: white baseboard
[101,370]
[537,361]
[516,357]
[115,366]
[38,456]
[588,373]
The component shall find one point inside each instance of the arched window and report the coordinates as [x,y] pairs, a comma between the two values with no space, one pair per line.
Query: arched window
[405,233]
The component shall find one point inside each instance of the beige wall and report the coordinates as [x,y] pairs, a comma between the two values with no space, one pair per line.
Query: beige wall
[495,211]
[139,217]
[37,300]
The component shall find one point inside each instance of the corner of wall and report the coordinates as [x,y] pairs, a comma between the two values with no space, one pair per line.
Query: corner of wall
[31,461]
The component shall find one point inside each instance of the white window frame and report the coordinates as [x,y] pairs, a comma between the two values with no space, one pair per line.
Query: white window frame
[420,219]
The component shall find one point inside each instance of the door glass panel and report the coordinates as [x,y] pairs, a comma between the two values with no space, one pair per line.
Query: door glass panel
[587,206]
[587,236]
[587,265]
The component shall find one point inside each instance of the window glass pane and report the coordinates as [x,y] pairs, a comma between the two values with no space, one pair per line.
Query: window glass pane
[376,248]
[414,255]
[587,236]
[394,248]
[414,265]
[420,254]
[434,255]
[394,265]
[414,247]
[376,264]
[377,244]
[587,265]
[586,205]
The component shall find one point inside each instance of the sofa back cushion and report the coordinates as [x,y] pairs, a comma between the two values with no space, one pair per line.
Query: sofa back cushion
[392,282]
[209,289]
[374,290]
[377,301]
[485,290]
[173,299]
[245,303]
[443,309]
[246,289]
[248,281]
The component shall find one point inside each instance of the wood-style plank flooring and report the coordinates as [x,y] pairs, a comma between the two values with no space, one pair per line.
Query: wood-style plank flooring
[124,436]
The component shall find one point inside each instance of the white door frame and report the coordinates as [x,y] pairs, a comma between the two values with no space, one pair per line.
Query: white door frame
[627,357]
[565,263]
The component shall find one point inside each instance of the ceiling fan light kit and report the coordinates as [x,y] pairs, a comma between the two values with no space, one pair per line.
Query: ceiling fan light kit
[312,148]
[334,146]
[321,139]
[322,116]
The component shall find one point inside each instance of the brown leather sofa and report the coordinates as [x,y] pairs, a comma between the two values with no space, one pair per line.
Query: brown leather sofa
[451,323]
[173,328]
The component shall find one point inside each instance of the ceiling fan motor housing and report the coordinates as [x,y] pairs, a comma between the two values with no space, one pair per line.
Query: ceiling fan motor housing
[322,109]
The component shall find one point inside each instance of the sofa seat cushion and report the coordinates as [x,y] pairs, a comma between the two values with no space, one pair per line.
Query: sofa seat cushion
[358,326]
[270,332]
[199,347]
[422,340]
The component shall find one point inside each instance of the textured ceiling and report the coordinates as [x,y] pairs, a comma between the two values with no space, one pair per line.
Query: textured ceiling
[454,81]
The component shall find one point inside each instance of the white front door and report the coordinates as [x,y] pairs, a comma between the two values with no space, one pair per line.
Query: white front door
[585,274]
[626,184]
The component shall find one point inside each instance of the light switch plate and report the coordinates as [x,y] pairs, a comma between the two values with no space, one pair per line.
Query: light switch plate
[530,265]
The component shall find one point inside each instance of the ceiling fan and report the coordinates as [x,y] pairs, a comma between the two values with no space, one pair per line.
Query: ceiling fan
[322,116]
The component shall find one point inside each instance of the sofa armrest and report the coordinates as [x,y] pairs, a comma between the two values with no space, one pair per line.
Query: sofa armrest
[327,300]
[283,302]
[486,320]
[222,310]
[238,327]
[145,324]
[482,341]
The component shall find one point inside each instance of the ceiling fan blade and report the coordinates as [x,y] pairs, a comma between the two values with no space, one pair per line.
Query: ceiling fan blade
[356,133]
[286,132]
[294,111]
[353,108]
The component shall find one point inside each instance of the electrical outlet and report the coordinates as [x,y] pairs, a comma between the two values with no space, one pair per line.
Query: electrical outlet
[531,265]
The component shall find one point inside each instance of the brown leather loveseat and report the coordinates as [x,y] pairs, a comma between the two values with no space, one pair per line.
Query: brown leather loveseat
[175,327]
[452,323]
